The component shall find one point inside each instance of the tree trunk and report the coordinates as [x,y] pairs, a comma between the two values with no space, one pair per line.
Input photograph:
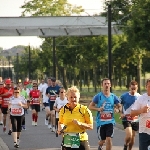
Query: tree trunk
[139,74]
[95,79]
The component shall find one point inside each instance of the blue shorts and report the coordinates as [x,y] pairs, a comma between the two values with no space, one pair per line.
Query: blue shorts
[144,141]
[46,104]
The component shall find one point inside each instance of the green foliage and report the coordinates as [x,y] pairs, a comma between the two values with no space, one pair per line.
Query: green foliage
[50,8]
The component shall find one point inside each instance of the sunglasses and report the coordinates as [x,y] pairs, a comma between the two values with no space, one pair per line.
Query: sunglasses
[62,92]
[16,92]
[34,86]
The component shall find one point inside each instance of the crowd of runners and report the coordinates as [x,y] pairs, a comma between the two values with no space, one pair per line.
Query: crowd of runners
[65,115]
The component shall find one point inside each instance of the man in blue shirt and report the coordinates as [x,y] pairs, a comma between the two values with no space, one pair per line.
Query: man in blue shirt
[104,103]
[130,124]
[52,92]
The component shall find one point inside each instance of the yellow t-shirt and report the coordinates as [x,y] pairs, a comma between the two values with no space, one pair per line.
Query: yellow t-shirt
[81,113]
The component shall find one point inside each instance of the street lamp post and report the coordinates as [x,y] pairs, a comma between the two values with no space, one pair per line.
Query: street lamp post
[54,58]
[109,45]
[29,66]
[17,68]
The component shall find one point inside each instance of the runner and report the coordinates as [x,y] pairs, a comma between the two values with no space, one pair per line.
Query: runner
[6,93]
[141,108]
[29,85]
[45,101]
[35,103]
[28,91]
[130,124]
[52,92]
[40,87]
[1,115]
[26,82]
[59,103]
[77,119]
[104,103]
[17,104]
[25,95]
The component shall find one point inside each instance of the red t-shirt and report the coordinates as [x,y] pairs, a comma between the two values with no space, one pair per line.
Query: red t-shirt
[26,82]
[5,99]
[1,90]
[35,95]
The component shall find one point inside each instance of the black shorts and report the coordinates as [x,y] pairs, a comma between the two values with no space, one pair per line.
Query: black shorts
[51,105]
[36,107]
[46,104]
[84,145]
[104,131]
[4,110]
[134,125]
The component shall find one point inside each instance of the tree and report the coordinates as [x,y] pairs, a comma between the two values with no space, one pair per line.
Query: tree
[50,8]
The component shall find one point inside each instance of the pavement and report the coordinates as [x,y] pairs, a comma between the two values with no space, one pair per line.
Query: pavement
[41,138]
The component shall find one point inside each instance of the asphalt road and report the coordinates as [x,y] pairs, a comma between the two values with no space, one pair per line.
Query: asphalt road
[41,138]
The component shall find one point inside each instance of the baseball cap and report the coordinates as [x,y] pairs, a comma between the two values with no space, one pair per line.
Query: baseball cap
[7,81]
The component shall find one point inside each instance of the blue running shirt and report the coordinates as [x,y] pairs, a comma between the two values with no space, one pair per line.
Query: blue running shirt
[107,115]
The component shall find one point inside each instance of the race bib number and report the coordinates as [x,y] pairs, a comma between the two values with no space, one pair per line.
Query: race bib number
[130,118]
[72,141]
[148,123]
[16,111]
[35,101]
[52,98]
[106,116]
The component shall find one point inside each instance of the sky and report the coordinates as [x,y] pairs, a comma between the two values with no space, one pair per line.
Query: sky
[11,8]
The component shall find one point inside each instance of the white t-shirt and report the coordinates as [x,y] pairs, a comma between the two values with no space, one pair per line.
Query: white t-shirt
[60,103]
[17,110]
[41,85]
[144,118]
[43,90]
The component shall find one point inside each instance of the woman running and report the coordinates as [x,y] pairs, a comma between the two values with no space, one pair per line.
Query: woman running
[76,118]
[35,103]
[17,104]
[1,115]
[59,103]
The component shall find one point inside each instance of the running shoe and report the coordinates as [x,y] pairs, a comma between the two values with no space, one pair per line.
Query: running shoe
[16,145]
[53,129]
[125,147]
[46,122]
[100,147]
[1,123]
[49,126]
[4,129]
[23,127]
[33,123]
[9,132]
